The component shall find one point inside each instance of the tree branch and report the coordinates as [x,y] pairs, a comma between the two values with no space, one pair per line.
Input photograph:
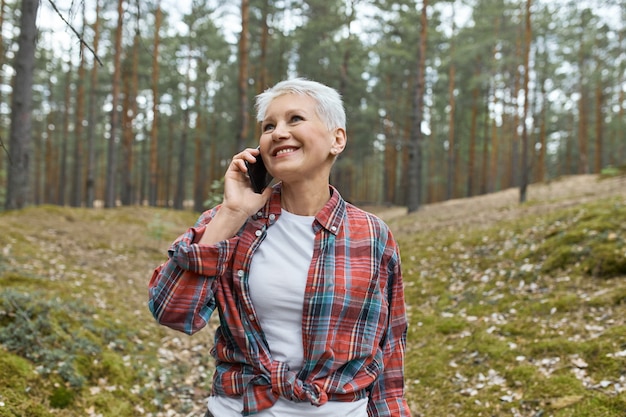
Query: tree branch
[95,55]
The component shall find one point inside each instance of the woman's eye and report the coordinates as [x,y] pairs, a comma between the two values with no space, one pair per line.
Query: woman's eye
[296,118]
[267,127]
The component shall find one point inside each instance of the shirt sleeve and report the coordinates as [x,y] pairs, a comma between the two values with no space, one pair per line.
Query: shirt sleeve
[387,393]
[182,290]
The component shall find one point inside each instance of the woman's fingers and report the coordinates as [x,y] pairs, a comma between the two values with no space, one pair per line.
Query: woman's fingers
[247,155]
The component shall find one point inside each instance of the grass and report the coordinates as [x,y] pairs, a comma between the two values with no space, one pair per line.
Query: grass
[526,302]
[76,338]
[523,317]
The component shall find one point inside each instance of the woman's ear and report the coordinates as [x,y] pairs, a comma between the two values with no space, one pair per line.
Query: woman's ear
[340,141]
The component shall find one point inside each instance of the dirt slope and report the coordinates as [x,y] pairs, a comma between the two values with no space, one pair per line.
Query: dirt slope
[485,210]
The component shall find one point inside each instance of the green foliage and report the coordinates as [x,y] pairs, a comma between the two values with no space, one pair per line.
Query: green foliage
[591,239]
[18,384]
[61,397]
[451,326]
[156,228]
[216,193]
[50,333]
[562,384]
[613,171]
[65,342]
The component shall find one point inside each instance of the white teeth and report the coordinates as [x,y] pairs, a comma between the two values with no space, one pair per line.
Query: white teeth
[282,151]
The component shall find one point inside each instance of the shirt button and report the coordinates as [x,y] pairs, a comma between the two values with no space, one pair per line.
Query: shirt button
[240,273]
[333,228]
[258,233]
[272,216]
[260,213]
[251,317]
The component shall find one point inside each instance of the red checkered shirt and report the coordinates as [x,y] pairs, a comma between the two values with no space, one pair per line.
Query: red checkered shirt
[353,326]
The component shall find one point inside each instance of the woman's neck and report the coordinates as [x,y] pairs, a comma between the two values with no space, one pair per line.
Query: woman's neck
[304,200]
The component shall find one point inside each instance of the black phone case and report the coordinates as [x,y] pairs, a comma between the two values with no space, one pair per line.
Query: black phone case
[259,177]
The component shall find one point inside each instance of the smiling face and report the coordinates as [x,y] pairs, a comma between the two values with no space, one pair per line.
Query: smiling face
[295,143]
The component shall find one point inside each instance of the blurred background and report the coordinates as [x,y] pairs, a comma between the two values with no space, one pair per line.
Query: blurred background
[144,102]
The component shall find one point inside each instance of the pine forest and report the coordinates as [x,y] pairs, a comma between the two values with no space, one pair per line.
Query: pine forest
[128,102]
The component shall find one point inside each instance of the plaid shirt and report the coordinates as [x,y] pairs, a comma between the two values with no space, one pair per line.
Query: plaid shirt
[353,325]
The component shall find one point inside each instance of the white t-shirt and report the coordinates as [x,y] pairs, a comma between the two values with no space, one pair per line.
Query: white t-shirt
[277,282]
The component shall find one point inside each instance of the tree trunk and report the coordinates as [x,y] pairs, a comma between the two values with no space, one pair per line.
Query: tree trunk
[494,151]
[2,59]
[126,161]
[133,107]
[515,138]
[507,138]
[451,124]
[77,174]
[143,168]
[471,157]
[619,156]
[166,176]
[20,146]
[491,135]
[541,161]
[91,125]
[391,153]
[242,83]
[64,136]
[582,115]
[599,140]
[415,152]
[179,193]
[2,5]
[37,174]
[179,196]
[525,166]
[130,76]
[569,168]
[110,198]
[199,193]
[345,61]
[484,170]
[263,80]
[154,131]
[51,179]
[214,166]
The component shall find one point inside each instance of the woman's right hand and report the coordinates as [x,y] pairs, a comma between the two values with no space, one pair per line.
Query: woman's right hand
[238,193]
[240,201]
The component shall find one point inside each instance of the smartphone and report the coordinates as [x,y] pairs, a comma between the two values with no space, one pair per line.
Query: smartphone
[259,177]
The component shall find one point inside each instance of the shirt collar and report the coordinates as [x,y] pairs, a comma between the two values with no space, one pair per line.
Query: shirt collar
[329,217]
[332,214]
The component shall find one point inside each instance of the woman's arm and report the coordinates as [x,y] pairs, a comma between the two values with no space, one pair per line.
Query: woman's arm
[182,289]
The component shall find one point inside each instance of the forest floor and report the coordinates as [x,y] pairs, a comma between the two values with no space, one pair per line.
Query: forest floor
[488,209]
[103,260]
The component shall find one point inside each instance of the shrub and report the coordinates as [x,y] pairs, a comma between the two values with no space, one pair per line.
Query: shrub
[55,335]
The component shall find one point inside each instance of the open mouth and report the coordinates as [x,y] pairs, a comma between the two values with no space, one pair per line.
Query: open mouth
[283,151]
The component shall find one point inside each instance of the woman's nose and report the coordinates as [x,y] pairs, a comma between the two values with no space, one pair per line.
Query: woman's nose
[281,131]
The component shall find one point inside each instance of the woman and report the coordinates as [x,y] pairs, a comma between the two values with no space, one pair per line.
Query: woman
[308,287]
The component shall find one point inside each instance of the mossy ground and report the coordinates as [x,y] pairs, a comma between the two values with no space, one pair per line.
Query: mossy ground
[514,310]
[73,315]
[520,317]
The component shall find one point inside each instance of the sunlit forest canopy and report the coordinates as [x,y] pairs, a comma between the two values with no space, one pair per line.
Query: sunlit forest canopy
[144,102]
